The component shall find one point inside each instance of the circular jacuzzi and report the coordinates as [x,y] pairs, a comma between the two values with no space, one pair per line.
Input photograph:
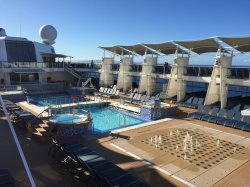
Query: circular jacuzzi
[68,119]
[68,125]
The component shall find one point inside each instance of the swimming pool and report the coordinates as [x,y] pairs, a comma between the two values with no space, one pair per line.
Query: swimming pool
[54,99]
[152,104]
[106,119]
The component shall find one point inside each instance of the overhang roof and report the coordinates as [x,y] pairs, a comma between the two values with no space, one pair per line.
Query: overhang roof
[200,46]
[55,55]
[138,49]
[116,49]
[166,48]
[241,44]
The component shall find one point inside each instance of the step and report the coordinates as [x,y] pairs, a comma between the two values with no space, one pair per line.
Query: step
[44,125]
[37,134]
[40,129]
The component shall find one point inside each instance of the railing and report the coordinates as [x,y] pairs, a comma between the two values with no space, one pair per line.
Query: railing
[35,87]
[72,71]
[124,120]
[238,73]
[4,64]
[199,71]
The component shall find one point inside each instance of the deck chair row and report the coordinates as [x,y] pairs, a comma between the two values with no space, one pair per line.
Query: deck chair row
[10,106]
[6,179]
[228,118]
[192,102]
[108,92]
[139,98]
[108,172]
[26,118]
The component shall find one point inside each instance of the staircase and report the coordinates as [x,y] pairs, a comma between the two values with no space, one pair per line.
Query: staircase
[73,72]
[41,131]
[88,81]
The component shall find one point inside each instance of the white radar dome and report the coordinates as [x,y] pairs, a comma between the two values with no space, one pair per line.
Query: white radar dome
[48,34]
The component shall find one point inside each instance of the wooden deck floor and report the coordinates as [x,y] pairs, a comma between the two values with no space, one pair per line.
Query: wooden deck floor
[47,174]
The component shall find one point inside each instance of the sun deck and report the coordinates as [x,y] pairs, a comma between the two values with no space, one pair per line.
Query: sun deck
[140,157]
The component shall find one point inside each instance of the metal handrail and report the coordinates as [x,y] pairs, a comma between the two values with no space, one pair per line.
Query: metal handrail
[26,166]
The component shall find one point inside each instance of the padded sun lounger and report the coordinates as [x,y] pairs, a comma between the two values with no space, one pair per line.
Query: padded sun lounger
[80,152]
[109,93]
[246,128]
[91,164]
[204,112]
[229,117]
[244,123]
[113,173]
[246,107]
[5,178]
[68,144]
[130,99]
[199,111]
[236,119]
[115,94]
[146,98]
[139,184]
[236,108]
[103,167]
[189,100]
[138,99]
[87,157]
[220,115]
[200,101]
[214,113]
[28,118]
[105,90]
[194,103]
[124,181]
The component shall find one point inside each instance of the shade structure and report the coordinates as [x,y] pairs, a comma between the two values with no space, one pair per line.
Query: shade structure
[116,50]
[241,44]
[200,46]
[54,55]
[166,48]
[138,49]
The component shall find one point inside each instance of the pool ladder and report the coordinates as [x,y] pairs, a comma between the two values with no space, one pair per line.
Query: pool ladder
[124,120]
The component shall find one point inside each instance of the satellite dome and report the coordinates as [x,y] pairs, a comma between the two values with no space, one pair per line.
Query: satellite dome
[48,34]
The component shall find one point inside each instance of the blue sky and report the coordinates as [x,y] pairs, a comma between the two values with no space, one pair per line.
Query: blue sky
[83,25]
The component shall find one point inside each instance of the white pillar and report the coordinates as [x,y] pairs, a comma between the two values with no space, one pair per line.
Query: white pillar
[124,78]
[225,63]
[147,80]
[176,84]
[218,92]
[106,76]
[182,64]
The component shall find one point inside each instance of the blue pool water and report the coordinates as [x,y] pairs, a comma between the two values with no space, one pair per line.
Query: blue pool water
[54,99]
[153,104]
[106,119]
[67,119]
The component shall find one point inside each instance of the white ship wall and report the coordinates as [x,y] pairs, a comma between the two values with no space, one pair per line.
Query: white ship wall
[41,48]
[3,54]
